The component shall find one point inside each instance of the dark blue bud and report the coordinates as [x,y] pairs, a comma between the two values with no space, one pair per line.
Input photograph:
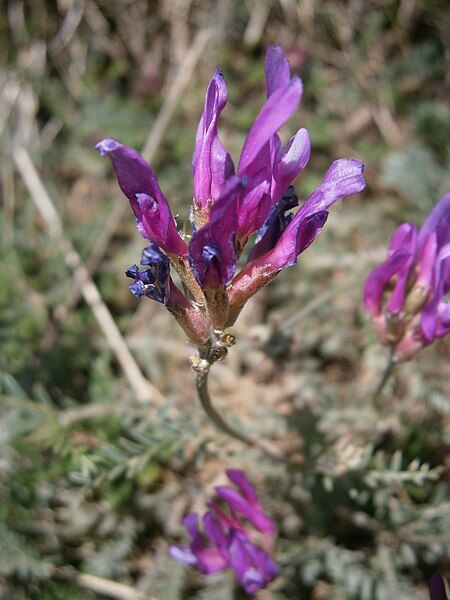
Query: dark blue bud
[152,255]
[132,272]
[138,289]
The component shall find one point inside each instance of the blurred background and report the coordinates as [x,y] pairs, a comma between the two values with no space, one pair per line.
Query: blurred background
[103,447]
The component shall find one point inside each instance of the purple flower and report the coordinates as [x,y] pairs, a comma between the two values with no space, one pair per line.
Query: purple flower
[405,295]
[437,588]
[212,249]
[211,164]
[228,208]
[139,184]
[236,534]
[343,178]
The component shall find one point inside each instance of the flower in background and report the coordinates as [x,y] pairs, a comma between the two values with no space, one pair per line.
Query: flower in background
[437,588]
[230,205]
[407,295]
[236,534]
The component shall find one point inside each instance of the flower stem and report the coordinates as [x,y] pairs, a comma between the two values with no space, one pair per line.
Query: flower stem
[206,403]
[388,370]
[208,356]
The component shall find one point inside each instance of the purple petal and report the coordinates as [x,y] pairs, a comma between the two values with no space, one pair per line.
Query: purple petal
[253,206]
[276,111]
[277,70]
[253,514]
[272,228]
[253,567]
[240,479]
[262,561]
[431,322]
[212,165]
[227,520]
[443,313]
[208,560]
[379,278]
[212,250]
[183,555]
[214,531]
[215,101]
[439,221]
[290,161]
[258,273]
[297,237]
[404,239]
[343,178]
[427,261]
[437,588]
[191,522]
[139,184]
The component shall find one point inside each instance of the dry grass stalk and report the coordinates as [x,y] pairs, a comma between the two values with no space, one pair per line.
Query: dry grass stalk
[145,391]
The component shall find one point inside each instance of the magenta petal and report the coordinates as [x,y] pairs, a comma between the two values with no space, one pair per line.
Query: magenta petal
[443,313]
[214,531]
[253,206]
[378,279]
[222,167]
[275,224]
[209,561]
[191,522]
[427,260]
[262,562]
[239,478]
[404,239]
[431,323]
[253,514]
[290,161]
[139,184]
[253,567]
[343,178]
[438,220]
[212,249]
[184,555]
[212,165]
[297,237]
[275,112]
[277,69]
[215,101]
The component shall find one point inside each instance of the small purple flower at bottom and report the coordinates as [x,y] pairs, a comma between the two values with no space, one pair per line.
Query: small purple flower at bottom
[437,588]
[236,534]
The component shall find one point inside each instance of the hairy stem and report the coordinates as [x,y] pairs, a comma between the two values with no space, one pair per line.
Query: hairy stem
[385,376]
[206,403]
[208,356]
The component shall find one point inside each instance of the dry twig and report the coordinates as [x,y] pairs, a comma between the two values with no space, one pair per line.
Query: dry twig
[101,586]
[144,390]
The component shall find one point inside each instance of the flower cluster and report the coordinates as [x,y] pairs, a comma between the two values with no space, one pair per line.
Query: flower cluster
[237,534]
[406,296]
[230,205]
